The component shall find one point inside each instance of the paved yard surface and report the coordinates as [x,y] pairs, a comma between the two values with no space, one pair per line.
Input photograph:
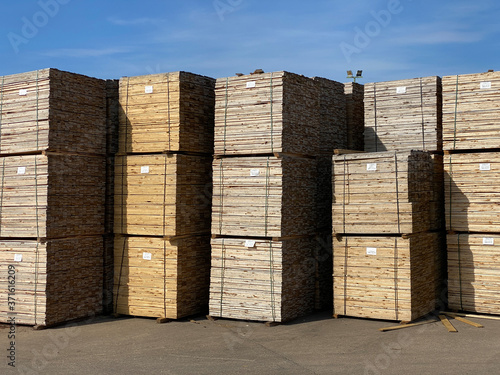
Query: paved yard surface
[315,345]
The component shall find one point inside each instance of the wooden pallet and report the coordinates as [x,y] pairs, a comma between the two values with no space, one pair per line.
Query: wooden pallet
[264,196]
[472,192]
[389,278]
[51,195]
[162,195]
[474,272]
[266,113]
[55,281]
[52,110]
[403,115]
[166,112]
[385,192]
[355,115]
[160,278]
[262,280]
[470,111]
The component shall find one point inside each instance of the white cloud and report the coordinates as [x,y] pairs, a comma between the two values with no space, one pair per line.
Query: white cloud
[85,52]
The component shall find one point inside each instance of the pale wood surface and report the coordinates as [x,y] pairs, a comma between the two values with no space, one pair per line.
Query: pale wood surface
[383,192]
[470,111]
[387,277]
[56,281]
[162,195]
[166,112]
[52,110]
[172,284]
[409,120]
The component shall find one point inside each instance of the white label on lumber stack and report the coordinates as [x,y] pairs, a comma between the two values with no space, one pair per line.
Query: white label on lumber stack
[21,170]
[488,241]
[18,257]
[371,166]
[23,92]
[250,84]
[147,256]
[148,90]
[145,169]
[401,90]
[371,251]
[254,172]
[485,167]
[485,85]
[249,243]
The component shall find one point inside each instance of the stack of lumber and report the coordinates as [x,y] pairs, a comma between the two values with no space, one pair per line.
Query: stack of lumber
[355,115]
[162,195]
[470,111]
[53,145]
[384,192]
[389,278]
[263,196]
[166,112]
[156,277]
[52,110]
[474,272]
[403,115]
[56,281]
[266,113]
[472,191]
[51,196]
[262,280]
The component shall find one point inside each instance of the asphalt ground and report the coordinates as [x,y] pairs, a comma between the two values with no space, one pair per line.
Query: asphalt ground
[317,344]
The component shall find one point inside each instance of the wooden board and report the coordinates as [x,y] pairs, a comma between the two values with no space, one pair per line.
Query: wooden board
[264,196]
[472,193]
[470,111]
[262,280]
[403,115]
[160,278]
[474,272]
[266,113]
[55,281]
[166,112]
[390,278]
[162,195]
[355,115]
[385,192]
[52,196]
[52,110]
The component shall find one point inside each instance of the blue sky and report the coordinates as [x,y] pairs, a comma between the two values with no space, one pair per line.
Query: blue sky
[388,39]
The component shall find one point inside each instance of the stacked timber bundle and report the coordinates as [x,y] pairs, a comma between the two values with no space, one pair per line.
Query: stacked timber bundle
[383,192]
[51,196]
[53,168]
[162,195]
[355,115]
[472,161]
[472,191]
[52,110]
[156,277]
[403,115]
[473,272]
[262,280]
[470,111]
[267,113]
[166,112]
[391,278]
[272,192]
[55,280]
[263,196]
